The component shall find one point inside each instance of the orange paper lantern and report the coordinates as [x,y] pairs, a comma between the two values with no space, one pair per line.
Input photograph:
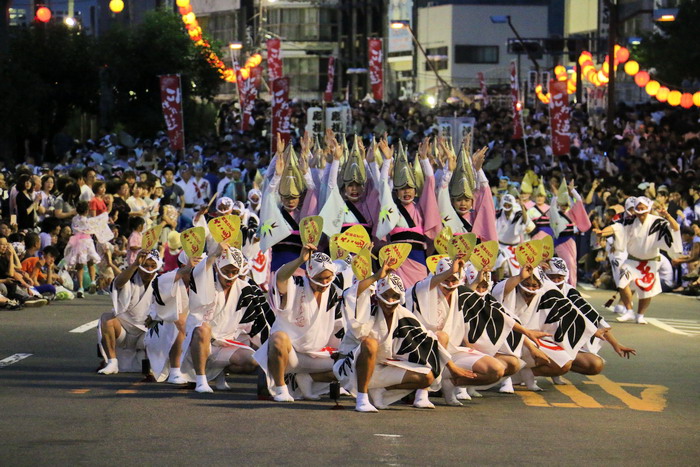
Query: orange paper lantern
[631,68]
[43,14]
[652,87]
[686,100]
[662,94]
[642,78]
[674,98]
[622,55]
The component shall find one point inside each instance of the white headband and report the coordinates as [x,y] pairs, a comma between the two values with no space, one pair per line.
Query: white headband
[642,200]
[318,263]
[231,256]
[558,267]
[391,282]
[155,256]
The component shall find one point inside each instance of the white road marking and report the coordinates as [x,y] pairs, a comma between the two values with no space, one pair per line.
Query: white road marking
[13,359]
[86,327]
[661,325]
[585,286]
[386,435]
[585,295]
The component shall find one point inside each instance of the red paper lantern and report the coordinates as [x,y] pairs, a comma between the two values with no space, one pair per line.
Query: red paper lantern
[622,55]
[686,100]
[43,14]
[642,78]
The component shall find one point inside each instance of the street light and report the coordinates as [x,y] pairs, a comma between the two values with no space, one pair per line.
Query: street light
[665,14]
[505,19]
[400,24]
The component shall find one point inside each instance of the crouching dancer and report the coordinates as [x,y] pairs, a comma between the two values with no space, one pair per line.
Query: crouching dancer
[303,336]
[226,314]
[121,331]
[386,352]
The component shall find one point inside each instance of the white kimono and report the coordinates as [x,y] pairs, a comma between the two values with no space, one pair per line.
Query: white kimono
[436,314]
[511,232]
[549,311]
[131,305]
[404,345]
[237,321]
[644,243]
[311,327]
[169,301]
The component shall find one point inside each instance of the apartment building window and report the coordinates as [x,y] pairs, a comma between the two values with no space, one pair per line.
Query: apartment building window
[303,24]
[476,54]
[305,72]
[222,26]
[439,57]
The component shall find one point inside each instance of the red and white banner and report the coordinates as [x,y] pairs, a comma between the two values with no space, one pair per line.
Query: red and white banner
[249,93]
[328,95]
[559,118]
[376,67]
[171,101]
[281,112]
[482,85]
[514,88]
[274,60]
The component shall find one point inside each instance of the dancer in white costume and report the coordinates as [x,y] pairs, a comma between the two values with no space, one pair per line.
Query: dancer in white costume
[512,224]
[539,305]
[386,352]
[121,331]
[587,361]
[643,238]
[227,315]
[435,302]
[304,334]
[167,319]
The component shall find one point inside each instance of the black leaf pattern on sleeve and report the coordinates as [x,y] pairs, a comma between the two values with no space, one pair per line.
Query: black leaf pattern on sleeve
[257,311]
[560,309]
[482,314]
[417,345]
[662,229]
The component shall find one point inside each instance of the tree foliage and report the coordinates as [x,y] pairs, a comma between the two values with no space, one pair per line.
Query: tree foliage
[52,71]
[674,53]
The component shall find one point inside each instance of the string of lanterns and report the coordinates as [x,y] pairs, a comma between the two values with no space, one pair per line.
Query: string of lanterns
[599,77]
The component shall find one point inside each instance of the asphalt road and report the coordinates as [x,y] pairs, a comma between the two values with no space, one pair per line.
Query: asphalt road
[55,410]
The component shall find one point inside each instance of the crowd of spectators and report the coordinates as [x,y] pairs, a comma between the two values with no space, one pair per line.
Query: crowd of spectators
[142,183]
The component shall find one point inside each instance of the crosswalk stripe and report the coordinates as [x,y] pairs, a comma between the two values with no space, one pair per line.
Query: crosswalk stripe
[86,327]
[666,327]
[13,359]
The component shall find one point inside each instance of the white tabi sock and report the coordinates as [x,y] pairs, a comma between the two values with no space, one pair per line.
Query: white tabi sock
[112,367]
[377,396]
[202,384]
[462,394]
[448,392]
[421,401]
[529,379]
[175,376]
[362,403]
[282,394]
[558,381]
[473,392]
[306,385]
[507,386]
[221,383]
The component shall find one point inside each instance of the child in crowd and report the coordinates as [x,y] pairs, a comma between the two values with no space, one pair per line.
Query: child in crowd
[81,248]
[136,224]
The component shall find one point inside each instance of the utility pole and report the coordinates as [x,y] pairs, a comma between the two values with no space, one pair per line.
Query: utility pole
[612,33]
